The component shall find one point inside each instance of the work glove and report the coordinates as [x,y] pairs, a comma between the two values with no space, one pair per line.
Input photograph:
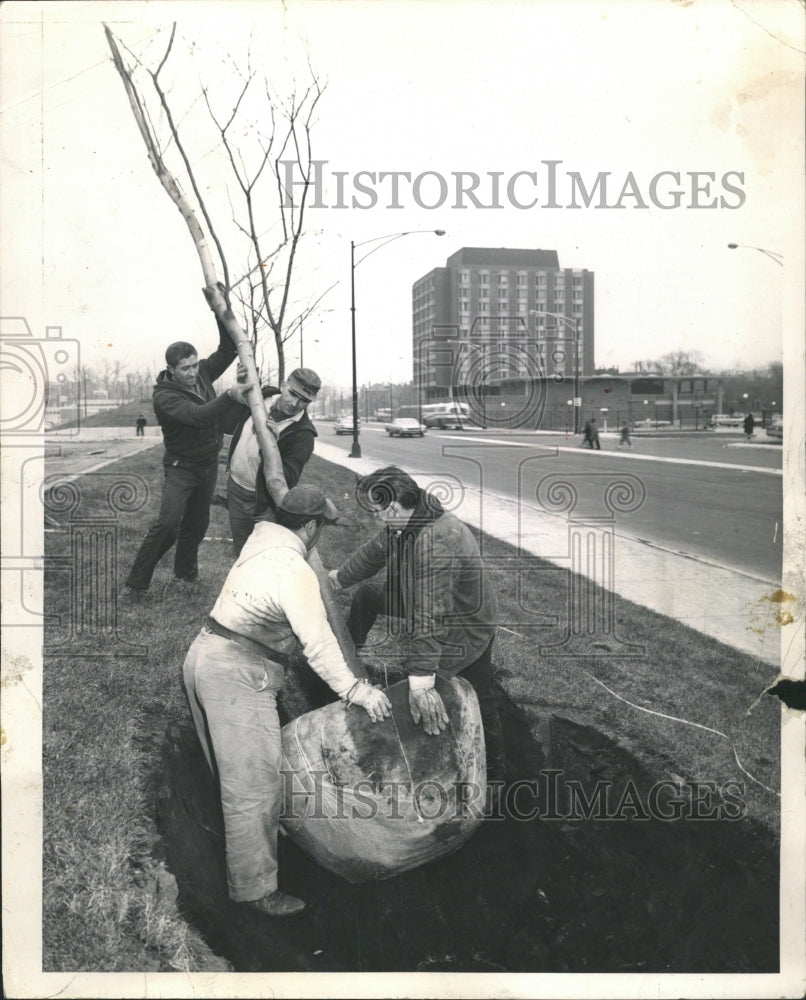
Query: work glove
[333,576]
[372,700]
[426,705]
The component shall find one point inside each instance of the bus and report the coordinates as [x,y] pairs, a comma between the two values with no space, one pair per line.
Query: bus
[439,415]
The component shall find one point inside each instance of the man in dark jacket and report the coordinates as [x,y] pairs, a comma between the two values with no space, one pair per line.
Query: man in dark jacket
[247,497]
[436,582]
[189,413]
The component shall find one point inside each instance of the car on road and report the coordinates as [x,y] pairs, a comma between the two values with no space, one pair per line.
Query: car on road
[344,425]
[776,428]
[405,427]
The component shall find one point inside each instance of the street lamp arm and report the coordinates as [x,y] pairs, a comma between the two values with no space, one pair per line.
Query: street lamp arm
[772,254]
[571,324]
[383,241]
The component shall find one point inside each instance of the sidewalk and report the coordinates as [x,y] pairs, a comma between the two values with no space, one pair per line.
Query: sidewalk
[731,607]
[87,451]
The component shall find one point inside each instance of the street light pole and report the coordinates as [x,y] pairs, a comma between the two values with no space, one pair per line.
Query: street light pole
[355,451]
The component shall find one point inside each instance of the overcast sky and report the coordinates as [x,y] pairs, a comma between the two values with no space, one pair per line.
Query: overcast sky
[91,242]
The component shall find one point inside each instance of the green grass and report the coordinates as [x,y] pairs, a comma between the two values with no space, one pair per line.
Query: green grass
[109,903]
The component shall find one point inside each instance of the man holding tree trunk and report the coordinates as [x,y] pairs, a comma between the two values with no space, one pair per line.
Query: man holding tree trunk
[189,413]
[248,499]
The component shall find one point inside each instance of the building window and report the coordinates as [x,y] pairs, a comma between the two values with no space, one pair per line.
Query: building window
[484,278]
[503,279]
[484,293]
[464,278]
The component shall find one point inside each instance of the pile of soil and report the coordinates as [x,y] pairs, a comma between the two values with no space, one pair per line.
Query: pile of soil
[533,895]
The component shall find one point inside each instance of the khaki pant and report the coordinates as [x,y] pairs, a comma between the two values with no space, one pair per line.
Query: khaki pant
[233,699]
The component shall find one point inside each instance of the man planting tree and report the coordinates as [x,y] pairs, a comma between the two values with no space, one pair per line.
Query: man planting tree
[269,607]
[248,500]
[190,414]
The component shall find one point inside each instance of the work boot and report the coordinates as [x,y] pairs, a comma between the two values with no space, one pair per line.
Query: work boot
[133,595]
[276,904]
[188,586]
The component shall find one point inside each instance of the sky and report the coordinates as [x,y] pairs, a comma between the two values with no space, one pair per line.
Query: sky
[625,90]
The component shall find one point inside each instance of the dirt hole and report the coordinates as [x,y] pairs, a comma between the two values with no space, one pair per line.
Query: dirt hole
[530,895]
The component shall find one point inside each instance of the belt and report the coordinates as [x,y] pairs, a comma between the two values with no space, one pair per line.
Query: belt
[250,644]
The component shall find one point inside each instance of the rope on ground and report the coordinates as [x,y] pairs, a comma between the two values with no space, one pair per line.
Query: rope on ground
[672,718]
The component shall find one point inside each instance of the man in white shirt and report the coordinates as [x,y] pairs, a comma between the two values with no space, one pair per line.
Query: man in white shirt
[269,606]
[247,498]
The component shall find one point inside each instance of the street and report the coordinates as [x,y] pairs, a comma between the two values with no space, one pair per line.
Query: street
[712,497]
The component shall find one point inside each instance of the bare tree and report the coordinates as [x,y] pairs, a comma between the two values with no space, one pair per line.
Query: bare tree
[677,362]
[644,367]
[259,143]
[681,362]
[274,269]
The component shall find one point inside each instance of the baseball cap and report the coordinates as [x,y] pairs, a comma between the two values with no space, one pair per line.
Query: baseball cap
[306,382]
[308,500]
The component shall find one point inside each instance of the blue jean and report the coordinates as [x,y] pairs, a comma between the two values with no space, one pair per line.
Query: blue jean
[232,694]
[183,518]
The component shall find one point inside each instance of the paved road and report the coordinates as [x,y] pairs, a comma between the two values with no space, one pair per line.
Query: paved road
[710,498]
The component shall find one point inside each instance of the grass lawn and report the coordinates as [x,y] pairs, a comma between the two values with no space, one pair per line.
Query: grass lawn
[110,902]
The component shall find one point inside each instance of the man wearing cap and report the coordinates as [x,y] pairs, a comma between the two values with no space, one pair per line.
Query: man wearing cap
[247,497]
[269,607]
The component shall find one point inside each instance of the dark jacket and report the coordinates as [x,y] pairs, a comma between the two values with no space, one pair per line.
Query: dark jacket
[189,418]
[295,445]
[435,576]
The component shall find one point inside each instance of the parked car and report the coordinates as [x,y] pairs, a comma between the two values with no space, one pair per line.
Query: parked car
[776,428]
[344,425]
[726,420]
[405,427]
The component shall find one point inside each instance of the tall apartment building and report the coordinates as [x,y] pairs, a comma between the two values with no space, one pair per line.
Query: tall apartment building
[515,312]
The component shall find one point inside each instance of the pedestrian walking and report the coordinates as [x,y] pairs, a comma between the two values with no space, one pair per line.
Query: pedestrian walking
[624,439]
[140,423]
[749,425]
[591,434]
[269,607]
